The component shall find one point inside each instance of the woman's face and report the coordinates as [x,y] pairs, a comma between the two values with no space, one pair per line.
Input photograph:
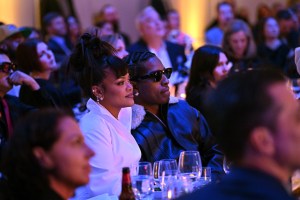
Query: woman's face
[222,69]
[69,156]
[271,28]
[120,48]
[238,42]
[151,92]
[117,92]
[46,57]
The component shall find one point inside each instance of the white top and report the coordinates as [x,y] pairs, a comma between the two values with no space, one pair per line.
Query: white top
[114,146]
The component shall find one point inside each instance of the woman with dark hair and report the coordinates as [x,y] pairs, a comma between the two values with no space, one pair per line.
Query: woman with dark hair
[35,59]
[165,126]
[209,65]
[46,158]
[239,46]
[104,79]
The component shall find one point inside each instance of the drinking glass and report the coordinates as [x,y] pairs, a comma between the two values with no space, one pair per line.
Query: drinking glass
[190,166]
[142,182]
[226,165]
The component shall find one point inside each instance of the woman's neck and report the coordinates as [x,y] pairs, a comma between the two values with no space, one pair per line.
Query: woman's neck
[61,189]
[41,75]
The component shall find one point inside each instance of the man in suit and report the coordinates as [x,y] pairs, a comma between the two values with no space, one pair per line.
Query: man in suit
[256,119]
[152,34]
[11,108]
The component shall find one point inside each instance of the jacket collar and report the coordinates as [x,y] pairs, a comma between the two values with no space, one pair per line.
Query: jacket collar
[138,112]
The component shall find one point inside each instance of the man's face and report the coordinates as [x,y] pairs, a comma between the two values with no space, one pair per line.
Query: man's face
[225,14]
[5,86]
[14,41]
[287,133]
[152,26]
[58,27]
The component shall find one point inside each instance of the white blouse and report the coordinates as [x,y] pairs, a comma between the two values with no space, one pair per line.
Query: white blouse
[114,148]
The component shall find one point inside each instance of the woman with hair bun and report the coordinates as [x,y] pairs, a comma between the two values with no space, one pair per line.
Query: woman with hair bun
[105,81]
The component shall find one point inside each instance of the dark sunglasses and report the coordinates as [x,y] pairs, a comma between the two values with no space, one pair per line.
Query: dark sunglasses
[157,75]
[7,67]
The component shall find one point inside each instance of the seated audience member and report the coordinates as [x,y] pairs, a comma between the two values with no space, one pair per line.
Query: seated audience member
[256,121]
[171,55]
[38,61]
[273,51]
[105,28]
[164,126]
[74,29]
[239,46]
[46,158]
[11,108]
[105,81]
[225,15]
[117,42]
[11,37]
[209,66]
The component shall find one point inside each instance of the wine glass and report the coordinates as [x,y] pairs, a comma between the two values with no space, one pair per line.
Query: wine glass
[226,165]
[142,182]
[190,166]
[167,171]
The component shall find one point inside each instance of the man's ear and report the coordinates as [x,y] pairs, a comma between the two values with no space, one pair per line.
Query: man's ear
[262,141]
[43,158]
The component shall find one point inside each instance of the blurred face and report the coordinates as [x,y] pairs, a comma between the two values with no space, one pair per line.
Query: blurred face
[14,41]
[225,14]
[151,92]
[70,156]
[110,14]
[152,26]
[287,134]
[222,69]
[173,20]
[58,26]
[120,48]
[271,28]
[286,25]
[117,92]
[5,86]
[46,57]
[107,29]
[238,42]
[73,26]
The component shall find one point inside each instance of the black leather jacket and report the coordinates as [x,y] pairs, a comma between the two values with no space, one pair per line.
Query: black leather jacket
[183,128]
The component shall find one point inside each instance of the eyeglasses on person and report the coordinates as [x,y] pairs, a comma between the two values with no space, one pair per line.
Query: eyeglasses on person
[7,67]
[156,76]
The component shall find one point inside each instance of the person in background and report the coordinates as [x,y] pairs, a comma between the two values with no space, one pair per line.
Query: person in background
[74,29]
[152,39]
[225,15]
[109,13]
[209,66]
[117,42]
[256,121]
[272,51]
[174,34]
[164,126]
[11,108]
[38,61]
[239,46]
[105,28]
[46,158]
[104,79]
[11,37]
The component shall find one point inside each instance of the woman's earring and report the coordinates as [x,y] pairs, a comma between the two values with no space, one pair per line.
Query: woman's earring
[136,93]
[101,98]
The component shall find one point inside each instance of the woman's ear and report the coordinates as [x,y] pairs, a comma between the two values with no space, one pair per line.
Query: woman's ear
[97,90]
[43,158]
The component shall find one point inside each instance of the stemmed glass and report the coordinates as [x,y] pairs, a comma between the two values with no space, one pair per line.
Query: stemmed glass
[142,182]
[190,166]
[226,165]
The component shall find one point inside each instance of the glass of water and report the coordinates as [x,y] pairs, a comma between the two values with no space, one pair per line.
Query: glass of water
[142,182]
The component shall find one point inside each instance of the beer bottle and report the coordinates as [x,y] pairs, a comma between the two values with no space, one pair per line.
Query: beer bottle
[127,192]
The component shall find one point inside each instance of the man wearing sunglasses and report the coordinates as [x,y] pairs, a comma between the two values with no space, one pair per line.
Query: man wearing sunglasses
[164,126]
[11,108]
